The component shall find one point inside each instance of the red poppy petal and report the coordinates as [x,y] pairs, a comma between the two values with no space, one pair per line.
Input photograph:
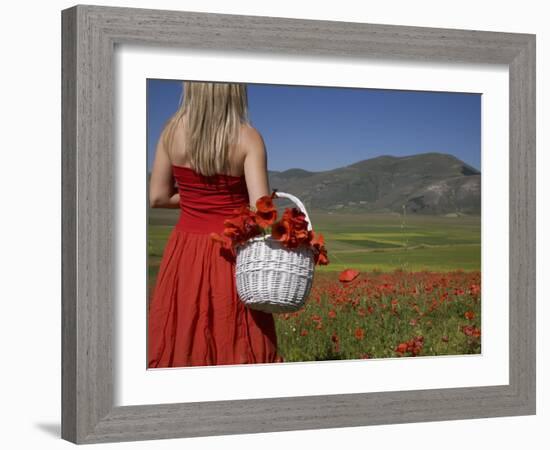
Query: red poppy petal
[348,275]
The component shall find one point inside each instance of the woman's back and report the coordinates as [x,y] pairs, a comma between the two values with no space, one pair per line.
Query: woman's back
[179,155]
[247,159]
[195,315]
[206,201]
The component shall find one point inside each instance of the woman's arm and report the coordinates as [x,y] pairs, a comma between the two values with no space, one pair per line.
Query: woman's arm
[255,166]
[162,193]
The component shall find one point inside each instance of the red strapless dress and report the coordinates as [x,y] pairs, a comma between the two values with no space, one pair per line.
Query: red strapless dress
[195,317]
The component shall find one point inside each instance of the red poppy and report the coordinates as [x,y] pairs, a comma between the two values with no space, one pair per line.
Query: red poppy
[292,228]
[242,226]
[320,252]
[412,346]
[296,216]
[359,333]
[281,231]
[475,289]
[348,275]
[472,331]
[322,257]
[469,315]
[224,240]
[401,348]
[317,240]
[233,227]
[266,213]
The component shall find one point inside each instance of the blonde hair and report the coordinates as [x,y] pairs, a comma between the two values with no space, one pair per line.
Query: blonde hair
[214,113]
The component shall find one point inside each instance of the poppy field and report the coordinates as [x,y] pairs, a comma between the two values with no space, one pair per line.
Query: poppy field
[384,314]
[395,286]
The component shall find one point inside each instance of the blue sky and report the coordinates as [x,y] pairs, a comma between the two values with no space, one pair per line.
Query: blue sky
[321,128]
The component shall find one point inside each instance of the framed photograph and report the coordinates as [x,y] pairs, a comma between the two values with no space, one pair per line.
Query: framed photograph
[267,222]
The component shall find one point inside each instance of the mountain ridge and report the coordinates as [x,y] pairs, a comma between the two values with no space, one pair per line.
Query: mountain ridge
[425,183]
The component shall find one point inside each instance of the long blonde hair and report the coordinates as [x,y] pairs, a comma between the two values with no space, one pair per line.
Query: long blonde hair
[214,113]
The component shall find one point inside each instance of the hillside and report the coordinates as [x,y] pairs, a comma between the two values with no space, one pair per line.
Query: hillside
[426,183]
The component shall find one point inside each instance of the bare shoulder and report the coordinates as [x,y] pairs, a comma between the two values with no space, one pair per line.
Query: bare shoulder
[251,140]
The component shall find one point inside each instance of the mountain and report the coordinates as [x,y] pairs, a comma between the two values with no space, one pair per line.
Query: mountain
[425,183]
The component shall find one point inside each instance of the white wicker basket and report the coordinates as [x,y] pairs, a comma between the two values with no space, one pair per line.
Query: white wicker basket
[271,277]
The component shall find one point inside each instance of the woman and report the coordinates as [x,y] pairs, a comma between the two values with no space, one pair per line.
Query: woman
[219,163]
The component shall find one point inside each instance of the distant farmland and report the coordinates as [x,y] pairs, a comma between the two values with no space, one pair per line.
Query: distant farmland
[369,241]
[391,241]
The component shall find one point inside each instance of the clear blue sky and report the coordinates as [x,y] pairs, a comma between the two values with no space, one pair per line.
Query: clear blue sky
[321,128]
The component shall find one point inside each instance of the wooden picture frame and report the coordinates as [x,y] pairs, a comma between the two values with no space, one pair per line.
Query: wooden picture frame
[89,35]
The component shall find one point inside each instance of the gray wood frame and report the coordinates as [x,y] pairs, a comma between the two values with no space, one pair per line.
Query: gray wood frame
[89,34]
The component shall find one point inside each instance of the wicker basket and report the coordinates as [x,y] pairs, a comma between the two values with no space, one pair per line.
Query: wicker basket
[271,277]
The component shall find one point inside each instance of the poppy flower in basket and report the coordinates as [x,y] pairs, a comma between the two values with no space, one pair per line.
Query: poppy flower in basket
[275,259]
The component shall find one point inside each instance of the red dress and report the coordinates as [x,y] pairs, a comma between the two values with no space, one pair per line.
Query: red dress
[195,317]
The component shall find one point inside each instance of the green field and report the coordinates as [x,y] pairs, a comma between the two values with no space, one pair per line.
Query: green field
[391,241]
[368,241]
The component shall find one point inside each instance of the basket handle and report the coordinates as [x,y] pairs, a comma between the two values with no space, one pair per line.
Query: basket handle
[298,203]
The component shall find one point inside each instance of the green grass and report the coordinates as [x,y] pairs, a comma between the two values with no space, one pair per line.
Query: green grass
[157,235]
[368,241]
[391,241]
